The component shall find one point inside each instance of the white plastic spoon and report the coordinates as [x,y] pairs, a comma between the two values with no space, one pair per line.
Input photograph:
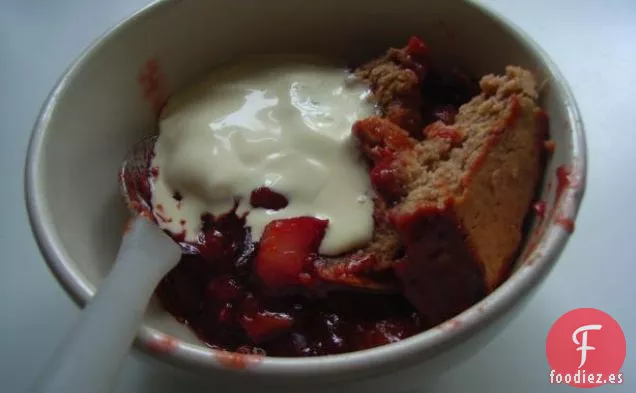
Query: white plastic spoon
[90,356]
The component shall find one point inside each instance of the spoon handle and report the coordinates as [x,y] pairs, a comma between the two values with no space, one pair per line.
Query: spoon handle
[89,358]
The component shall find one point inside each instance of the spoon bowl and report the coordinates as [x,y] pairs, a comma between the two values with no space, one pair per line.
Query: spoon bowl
[136,188]
[133,177]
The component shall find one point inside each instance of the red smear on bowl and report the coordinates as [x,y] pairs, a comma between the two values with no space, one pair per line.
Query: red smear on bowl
[565,223]
[163,344]
[539,209]
[152,81]
[237,361]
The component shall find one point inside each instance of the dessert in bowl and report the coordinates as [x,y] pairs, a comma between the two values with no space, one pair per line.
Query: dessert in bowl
[330,210]
[419,319]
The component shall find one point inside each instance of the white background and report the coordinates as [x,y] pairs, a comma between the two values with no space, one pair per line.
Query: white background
[593,42]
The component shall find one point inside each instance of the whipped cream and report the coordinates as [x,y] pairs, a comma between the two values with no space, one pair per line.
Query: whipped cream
[283,122]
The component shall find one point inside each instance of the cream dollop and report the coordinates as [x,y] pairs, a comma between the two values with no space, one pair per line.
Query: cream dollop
[283,122]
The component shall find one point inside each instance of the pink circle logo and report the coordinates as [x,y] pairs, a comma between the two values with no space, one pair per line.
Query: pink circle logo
[586,348]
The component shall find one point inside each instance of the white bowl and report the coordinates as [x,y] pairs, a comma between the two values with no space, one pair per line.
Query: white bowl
[107,101]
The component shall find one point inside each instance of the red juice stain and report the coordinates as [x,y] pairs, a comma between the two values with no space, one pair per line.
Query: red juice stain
[565,223]
[237,361]
[163,344]
[152,81]
[539,209]
[563,181]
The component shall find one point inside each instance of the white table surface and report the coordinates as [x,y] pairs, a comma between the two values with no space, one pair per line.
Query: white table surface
[594,43]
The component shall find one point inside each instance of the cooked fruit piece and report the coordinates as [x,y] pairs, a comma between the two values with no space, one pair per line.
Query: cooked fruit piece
[417,48]
[286,251]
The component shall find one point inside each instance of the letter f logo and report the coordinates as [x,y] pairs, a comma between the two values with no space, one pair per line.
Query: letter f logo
[584,347]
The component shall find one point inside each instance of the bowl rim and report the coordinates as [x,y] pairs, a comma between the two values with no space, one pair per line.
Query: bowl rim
[392,356]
